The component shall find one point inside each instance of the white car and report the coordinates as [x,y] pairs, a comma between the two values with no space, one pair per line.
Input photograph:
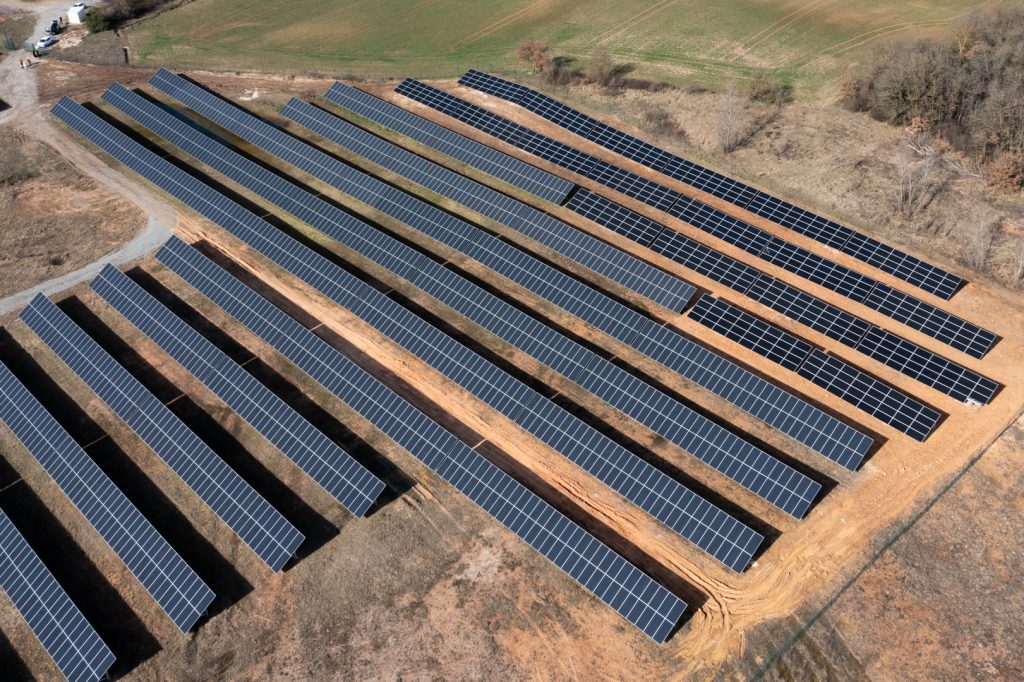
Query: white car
[78,5]
[44,43]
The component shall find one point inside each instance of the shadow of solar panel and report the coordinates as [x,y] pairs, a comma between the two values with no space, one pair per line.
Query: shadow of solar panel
[902,265]
[69,639]
[883,402]
[182,595]
[928,368]
[751,393]
[334,469]
[618,266]
[607,575]
[261,526]
[823,317]
[470,152]
[749,466]
[594,452]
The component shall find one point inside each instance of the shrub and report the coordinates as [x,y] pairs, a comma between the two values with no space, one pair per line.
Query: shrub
[768,88]
[1006,172]
[97,22]
[535,53]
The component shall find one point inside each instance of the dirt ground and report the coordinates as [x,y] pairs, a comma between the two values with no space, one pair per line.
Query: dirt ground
[54,218]
[429,588]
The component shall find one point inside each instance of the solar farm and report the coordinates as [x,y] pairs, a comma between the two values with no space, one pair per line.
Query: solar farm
[692,407]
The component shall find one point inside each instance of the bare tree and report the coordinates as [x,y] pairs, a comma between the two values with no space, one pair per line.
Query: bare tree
[600,67]
[915,181]
[977,241]
[730,121]
[535,53]
[1018,272]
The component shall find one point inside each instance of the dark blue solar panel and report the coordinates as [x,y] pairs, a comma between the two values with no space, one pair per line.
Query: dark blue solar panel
[606,574]
[930,369]
[74,646]
[343,477]
[740,387]
[628,474]
[902,265]
[862,390]
[749,466]
[261,526]
[470,152]
[182,595]
[733,323]
[618,266]
[783,298]
[938,324]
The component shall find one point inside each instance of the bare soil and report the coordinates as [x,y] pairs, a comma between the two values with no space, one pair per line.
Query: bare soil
[55,219]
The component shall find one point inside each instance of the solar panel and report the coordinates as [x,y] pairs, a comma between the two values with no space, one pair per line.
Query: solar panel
[74,646]
[470,152]
[733,323]
[182,595]
[906,357]
[897,409]
[731,542]
[754,469]
[947,328]
[593,565]
[606,260]
[261,526]
[928,368]
[938,324]
[754,395]
[902,265]
[858,388]
[344,478]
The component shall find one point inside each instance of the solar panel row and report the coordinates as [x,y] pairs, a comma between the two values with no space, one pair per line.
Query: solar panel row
[613,580]
[512,171]
[902,355]
[924,317]
[182,595]
[592,564]
[69,639]
[749,392]
[756,470]
[893,261]
[261,526]
[344,478]
[705,525]
[606,260]
[861,390]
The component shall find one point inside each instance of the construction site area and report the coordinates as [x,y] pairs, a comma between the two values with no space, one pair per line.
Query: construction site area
[610,421]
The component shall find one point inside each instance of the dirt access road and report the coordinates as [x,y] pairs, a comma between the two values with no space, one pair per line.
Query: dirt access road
[19,88]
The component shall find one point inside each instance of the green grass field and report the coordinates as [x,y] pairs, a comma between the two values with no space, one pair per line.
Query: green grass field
[706,42]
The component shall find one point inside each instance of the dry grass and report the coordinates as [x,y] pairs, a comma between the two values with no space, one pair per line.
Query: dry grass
[55,220]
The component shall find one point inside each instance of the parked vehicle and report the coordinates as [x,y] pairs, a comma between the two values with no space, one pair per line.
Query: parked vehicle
[45,42]
[54,29]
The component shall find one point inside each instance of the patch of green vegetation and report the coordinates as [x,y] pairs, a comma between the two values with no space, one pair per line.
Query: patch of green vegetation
[704,44]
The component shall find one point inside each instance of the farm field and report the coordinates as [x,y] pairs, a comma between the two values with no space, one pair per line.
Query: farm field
[682,41]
